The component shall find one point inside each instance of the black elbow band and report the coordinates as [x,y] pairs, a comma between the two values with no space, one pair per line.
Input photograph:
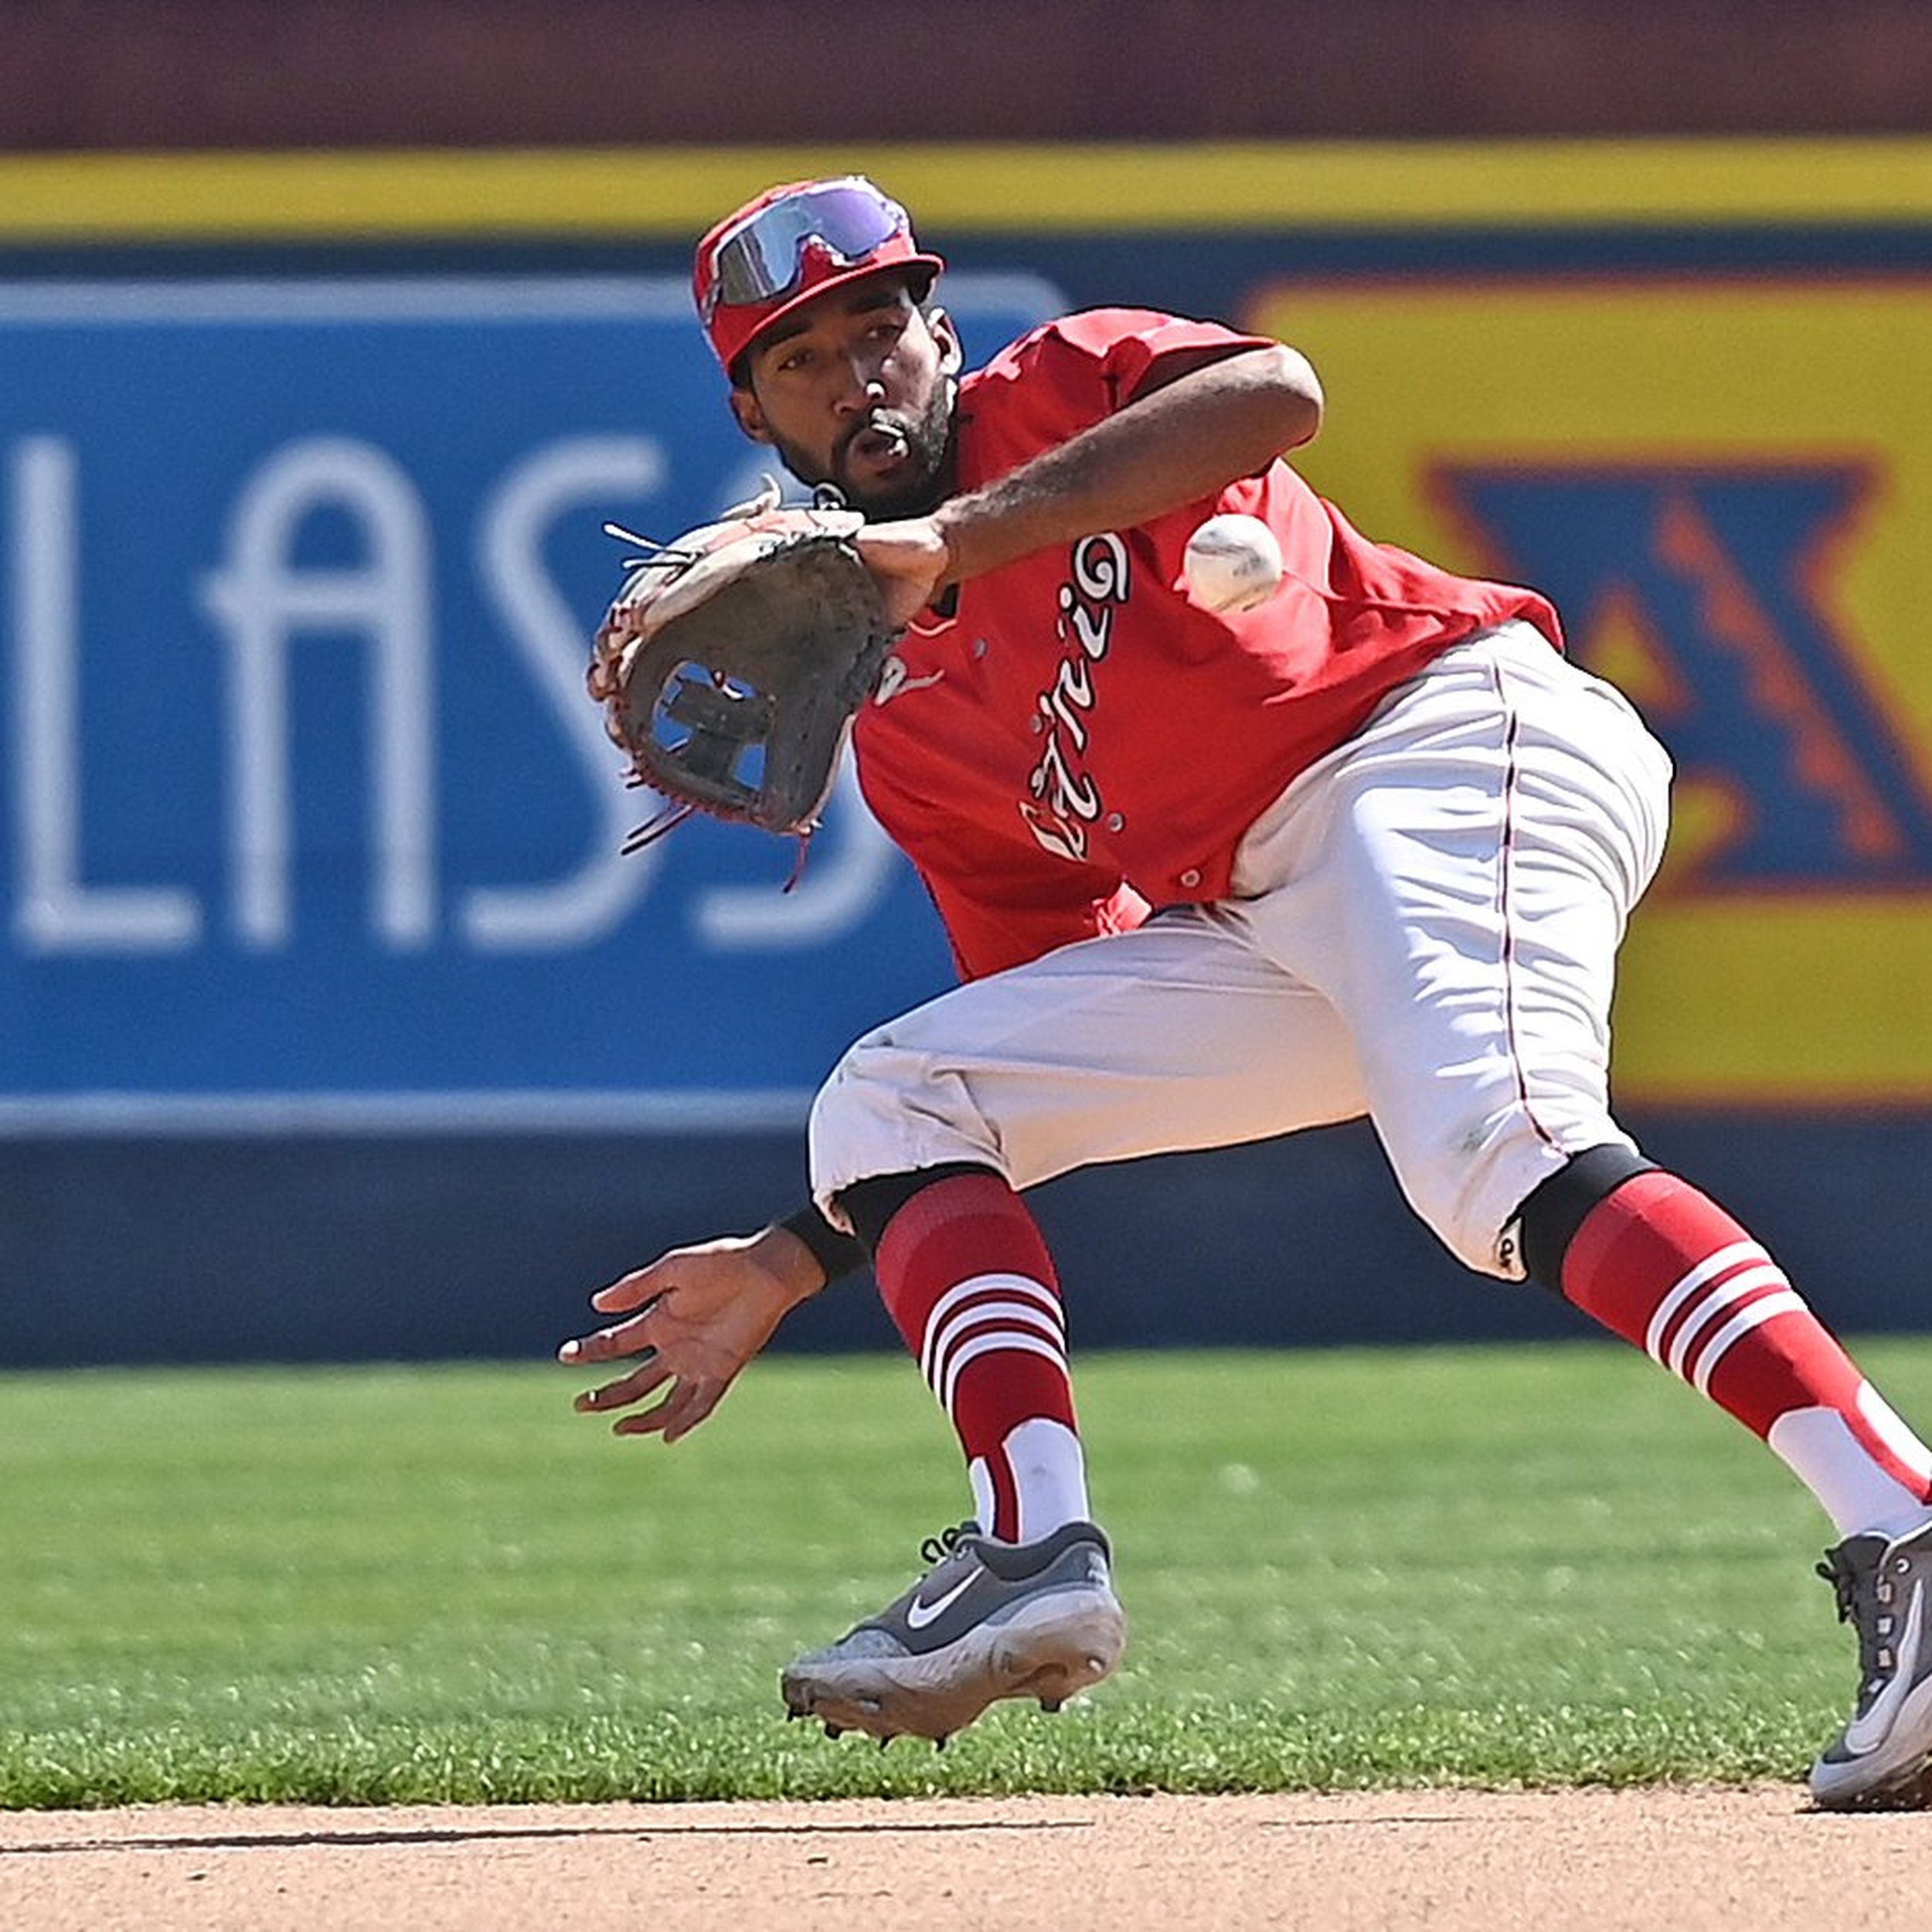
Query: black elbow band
[837,1254]
[1555,1209]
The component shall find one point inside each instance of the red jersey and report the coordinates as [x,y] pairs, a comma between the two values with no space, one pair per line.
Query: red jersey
[1079,741]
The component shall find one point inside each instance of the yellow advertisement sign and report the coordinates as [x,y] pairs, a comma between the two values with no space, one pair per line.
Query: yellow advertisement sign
[1726,485]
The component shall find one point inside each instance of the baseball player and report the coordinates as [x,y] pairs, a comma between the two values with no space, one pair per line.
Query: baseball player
[1368,848]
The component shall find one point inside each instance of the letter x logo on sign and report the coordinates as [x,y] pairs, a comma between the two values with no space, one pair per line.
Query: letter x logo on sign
[1715,579]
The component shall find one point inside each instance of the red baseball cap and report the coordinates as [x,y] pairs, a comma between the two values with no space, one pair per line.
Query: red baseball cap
[788,246]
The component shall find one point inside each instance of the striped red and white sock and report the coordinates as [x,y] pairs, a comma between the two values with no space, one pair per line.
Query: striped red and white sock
[1666,1268]
[965,1275]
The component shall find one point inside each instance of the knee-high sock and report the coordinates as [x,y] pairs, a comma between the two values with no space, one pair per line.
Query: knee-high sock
[965,1275]
[1663,1266]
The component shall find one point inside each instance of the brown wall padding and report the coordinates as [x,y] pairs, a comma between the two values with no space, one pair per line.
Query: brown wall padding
[278,73]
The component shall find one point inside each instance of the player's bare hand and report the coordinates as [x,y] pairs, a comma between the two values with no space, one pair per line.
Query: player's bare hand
[909,558]
[692,1320]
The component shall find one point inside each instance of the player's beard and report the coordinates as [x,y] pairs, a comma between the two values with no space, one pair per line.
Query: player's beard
[923,481]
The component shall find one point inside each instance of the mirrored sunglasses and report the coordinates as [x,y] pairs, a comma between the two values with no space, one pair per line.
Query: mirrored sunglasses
[765,258]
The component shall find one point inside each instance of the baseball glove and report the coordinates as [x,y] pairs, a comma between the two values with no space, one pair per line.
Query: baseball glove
[732,663]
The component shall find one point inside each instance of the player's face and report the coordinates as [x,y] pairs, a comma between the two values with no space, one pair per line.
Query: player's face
[856,390]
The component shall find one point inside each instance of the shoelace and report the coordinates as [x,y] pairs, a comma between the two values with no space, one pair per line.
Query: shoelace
[1877,1660]
[935,1549]
[1843,1581]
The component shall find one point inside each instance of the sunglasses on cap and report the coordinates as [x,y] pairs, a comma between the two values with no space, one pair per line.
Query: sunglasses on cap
[764,256]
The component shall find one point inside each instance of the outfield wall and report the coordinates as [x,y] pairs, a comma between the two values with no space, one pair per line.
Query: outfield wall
[335,1023]
[232,73]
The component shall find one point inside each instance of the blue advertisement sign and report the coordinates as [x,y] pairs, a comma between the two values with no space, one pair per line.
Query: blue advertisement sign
[306,808]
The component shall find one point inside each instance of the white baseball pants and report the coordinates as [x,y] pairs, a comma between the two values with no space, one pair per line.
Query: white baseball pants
[1423,927]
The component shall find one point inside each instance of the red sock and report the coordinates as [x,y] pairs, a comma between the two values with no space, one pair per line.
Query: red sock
[965,1274]
[1666,1268]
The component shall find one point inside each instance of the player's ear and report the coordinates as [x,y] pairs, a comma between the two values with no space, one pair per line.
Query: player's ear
[951,356]
[751,418]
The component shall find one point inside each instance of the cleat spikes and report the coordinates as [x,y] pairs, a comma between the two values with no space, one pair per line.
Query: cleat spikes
[941,1742]
[1050,1705]
[834,1730]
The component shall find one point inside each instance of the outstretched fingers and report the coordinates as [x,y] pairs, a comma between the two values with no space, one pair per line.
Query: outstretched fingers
[649,1374]
[623,1338]
[688,1323]
[680,1412]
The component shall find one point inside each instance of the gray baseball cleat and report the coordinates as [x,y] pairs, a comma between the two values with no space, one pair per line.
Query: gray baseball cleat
[989,1619]
[1882,1761]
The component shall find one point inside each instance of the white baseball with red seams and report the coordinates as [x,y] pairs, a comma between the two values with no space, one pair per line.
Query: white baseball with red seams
[1233,564]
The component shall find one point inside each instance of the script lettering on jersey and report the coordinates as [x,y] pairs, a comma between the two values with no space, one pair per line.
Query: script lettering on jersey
[1706,591]
[1064,797]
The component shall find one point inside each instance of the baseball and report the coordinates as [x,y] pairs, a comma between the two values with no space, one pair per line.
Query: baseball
[1233,564]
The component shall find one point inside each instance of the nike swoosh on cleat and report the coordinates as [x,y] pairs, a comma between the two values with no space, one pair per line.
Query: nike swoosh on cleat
[1864,1735]
[919,1614]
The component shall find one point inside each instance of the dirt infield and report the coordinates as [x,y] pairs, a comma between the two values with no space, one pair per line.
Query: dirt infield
[1449,1861]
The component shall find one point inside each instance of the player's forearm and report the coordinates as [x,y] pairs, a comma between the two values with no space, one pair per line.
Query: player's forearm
[1174,445]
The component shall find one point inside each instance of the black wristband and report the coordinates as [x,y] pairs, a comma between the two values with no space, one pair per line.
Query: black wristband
[837,1254]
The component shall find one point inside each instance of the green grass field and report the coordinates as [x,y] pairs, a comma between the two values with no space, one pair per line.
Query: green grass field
[1486,1566]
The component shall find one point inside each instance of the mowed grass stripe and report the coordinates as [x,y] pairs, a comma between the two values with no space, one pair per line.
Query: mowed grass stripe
[1484,1565]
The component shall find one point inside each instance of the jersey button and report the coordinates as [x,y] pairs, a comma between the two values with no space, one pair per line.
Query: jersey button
[1115,822]
[1189,879]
